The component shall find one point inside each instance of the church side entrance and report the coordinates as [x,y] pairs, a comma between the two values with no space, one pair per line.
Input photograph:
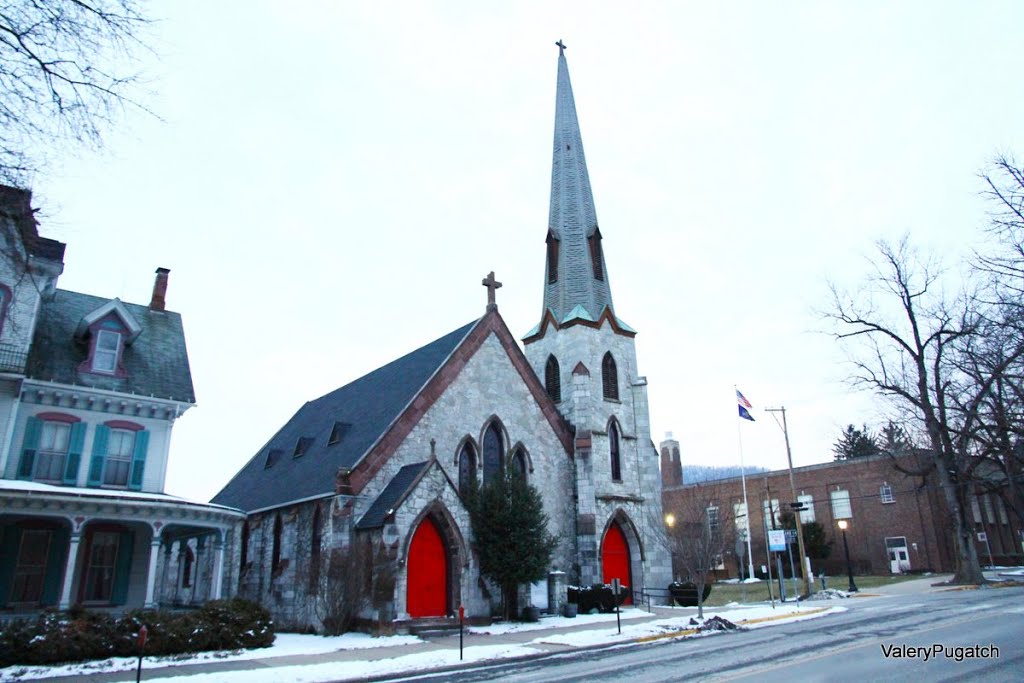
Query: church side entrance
[427,573]
[615,559]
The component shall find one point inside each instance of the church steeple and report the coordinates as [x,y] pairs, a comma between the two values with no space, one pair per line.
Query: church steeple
[576,279]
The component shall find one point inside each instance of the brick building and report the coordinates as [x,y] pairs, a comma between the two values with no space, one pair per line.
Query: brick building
[897,522]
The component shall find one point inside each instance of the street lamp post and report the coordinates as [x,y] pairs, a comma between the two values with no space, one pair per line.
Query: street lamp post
[846,549]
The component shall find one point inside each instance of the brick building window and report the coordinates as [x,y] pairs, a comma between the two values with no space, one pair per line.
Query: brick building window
[975,510]
[841,508]
[886,493]
[772,512]
[806,515]
[739,513]
[713,526]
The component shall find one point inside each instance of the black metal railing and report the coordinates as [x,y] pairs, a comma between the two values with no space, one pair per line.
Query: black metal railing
[12,358]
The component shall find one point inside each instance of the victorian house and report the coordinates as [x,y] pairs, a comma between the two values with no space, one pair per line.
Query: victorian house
[90,389]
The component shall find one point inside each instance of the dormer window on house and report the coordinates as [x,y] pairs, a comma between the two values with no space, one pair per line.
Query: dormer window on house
[106,352]
[301,446]
[108,331]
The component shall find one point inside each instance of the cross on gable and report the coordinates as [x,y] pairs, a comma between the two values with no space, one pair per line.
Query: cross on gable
[491,284]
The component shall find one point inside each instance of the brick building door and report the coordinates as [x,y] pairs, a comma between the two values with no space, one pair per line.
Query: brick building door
[427,573]
[615,558]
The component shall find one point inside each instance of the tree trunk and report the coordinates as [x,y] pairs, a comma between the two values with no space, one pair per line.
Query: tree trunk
[700,598]
[968,569]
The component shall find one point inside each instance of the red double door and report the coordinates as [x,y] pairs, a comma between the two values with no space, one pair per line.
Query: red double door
[615,559]
[427,594]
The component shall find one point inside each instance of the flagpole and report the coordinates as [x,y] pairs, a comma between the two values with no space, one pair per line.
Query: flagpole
[746,506]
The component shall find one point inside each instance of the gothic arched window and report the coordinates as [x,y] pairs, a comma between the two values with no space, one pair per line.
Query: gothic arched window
[275,553]
[494,452]
[315,542]
[613,447]
[610,377]
[467,468]
[553,379]
[518,462]
[245,546]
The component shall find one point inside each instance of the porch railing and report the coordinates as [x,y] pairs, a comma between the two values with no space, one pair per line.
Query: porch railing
[12,358]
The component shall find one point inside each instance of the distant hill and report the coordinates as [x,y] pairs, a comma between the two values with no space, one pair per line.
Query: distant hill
[697,474]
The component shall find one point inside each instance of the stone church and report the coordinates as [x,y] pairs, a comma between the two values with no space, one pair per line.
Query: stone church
[383,462]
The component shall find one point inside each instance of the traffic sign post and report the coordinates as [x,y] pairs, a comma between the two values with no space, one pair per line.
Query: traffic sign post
[143,634]
[616,587]
[462,620]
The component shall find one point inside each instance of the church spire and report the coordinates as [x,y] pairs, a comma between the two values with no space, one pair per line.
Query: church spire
[576,282]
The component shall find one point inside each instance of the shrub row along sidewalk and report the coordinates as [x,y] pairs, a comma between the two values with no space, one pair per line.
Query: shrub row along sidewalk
[78,635]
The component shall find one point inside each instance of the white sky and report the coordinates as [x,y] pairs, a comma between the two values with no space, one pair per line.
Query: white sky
[332,180]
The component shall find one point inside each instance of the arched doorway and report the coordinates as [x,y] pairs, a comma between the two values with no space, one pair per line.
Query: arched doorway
[427,573]
[615,558]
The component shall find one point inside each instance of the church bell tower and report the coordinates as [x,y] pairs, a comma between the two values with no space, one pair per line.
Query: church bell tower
[586,356]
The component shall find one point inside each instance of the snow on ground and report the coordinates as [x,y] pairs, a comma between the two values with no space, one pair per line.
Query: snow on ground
[603,632]
[331,671]
[547,622]
[285,644]
[665,627]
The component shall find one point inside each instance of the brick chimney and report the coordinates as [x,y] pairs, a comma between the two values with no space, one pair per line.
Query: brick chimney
[671,465]
[159,290]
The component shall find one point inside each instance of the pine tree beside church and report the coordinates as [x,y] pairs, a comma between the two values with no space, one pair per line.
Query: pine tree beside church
[510,531]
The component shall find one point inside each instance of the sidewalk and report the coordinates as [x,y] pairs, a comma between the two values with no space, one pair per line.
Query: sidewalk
[387,657]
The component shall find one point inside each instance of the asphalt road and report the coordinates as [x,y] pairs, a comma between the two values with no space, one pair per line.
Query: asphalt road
[843,647]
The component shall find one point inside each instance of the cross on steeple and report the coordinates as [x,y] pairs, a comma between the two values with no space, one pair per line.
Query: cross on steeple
[561,45]
[491,284]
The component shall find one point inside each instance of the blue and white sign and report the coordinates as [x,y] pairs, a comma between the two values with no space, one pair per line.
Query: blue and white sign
[777,540]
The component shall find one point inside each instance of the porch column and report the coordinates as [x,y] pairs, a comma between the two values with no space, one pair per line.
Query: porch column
[218,565]
[69,569]
[154,555]
[197,569]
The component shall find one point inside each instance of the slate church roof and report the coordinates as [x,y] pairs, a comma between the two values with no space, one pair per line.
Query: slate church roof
[156,362]
[361,411]
[393,494]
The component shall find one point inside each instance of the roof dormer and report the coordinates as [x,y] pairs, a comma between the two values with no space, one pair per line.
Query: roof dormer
[108,330]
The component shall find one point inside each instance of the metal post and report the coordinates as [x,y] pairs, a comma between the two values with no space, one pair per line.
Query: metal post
[796,513]
[849,567]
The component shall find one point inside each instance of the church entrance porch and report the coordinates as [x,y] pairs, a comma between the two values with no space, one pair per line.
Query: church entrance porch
[427,573]
[615,559]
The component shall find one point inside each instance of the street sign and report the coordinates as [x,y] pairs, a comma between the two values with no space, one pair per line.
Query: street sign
[798,506]
[790,535]
[777,540]
[982,536]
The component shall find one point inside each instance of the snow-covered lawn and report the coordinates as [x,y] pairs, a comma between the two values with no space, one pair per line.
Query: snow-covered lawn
[285,644]
[547,622]
[602,632]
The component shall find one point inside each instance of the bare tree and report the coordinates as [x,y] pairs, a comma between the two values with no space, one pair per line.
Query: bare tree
[344,586]
[909,337]
[64,75]
[700,530]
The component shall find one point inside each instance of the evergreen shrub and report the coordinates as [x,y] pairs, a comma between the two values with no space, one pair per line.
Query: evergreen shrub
[76,635]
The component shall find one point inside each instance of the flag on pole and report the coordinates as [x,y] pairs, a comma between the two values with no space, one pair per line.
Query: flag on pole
[743,404]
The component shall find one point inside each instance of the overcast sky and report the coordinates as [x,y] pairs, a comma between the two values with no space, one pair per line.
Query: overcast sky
[330,181]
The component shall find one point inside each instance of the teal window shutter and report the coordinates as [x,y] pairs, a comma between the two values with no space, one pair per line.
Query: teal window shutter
[8,557]
[74,459]
[59,540]
[138,460]
[123,568]
[28,448]
[99,452]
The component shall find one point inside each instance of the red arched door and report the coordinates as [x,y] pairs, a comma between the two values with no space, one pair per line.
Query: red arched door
[615,558]
[427,573]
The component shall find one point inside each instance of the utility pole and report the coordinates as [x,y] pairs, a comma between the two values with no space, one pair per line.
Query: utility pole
[796,513]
